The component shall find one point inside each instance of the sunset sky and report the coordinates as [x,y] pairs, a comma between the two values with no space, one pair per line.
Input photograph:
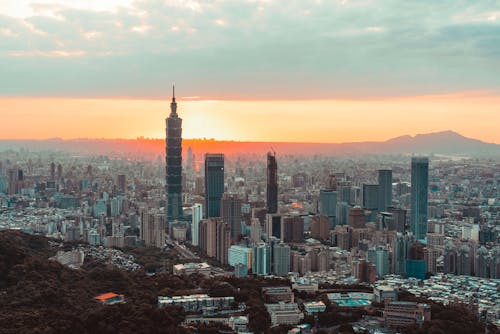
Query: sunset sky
[296,70]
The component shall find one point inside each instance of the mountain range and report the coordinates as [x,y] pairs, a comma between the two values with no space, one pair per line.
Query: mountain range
[445,142]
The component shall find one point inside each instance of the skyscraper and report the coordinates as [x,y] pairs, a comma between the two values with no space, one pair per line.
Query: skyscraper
[173,161]
[328,205]
[281,259]
[261,259]
[384,189]
[214,184]
[272,183]
[197,215]
[231,214]
[370,196]
[152,230]
[419,193]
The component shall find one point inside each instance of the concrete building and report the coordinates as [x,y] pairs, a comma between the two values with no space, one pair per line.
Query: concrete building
[403,314]
[284,313]
[152,228]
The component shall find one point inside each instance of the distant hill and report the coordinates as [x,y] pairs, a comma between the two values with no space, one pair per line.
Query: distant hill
[446,142]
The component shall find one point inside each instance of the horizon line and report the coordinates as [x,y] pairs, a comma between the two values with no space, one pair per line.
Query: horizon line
[248,141]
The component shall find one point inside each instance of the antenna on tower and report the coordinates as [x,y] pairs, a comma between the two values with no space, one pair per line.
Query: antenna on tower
[173,91]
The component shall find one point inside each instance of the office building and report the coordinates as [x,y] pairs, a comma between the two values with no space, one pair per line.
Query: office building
[320,227]
[214,184]
[281,259]
[379,256]
[197,215]
[272,183]
[419,196]
[328,205]
[292,229]
[403,314]
[273,226]
[370,196]
[173,161]
[255,230]
[384,189]
[261,259]
[231,214]
[240,254]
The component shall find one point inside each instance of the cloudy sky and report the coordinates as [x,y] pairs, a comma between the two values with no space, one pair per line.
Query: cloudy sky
[320,54]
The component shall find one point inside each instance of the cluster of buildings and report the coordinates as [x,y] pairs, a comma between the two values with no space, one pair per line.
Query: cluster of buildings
[350,220]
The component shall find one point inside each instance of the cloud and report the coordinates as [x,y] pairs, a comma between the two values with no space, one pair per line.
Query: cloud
[250,49]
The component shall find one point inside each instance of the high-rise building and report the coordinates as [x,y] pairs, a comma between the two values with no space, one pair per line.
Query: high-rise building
[240,254]
[379,256]
[173,159]
[399,216]
[400,253]
[223,241]
[384,189]
[152,230]
[328,205]
[231,214]
[419,194]
[272,183]
[122,183]
[255,231]
[320,227]
[215,239]
[370,196]
[197,215]
[273,226]
[281,259]
[190,160]
[357,217]
[261,259]
[292,229]
[214,184]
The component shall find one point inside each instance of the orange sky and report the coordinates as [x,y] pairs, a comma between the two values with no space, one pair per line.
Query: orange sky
[472,115]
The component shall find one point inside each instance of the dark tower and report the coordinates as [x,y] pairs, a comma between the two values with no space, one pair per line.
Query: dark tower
[272,183]
[173,161]
[214,184]
[419,194]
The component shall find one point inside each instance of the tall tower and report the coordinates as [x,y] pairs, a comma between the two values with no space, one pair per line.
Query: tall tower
[384,189]
[214,184]
[173,162]
[231,213]
[272,183]
[419,193]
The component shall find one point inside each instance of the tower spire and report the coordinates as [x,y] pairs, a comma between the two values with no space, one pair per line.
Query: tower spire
[173,104]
